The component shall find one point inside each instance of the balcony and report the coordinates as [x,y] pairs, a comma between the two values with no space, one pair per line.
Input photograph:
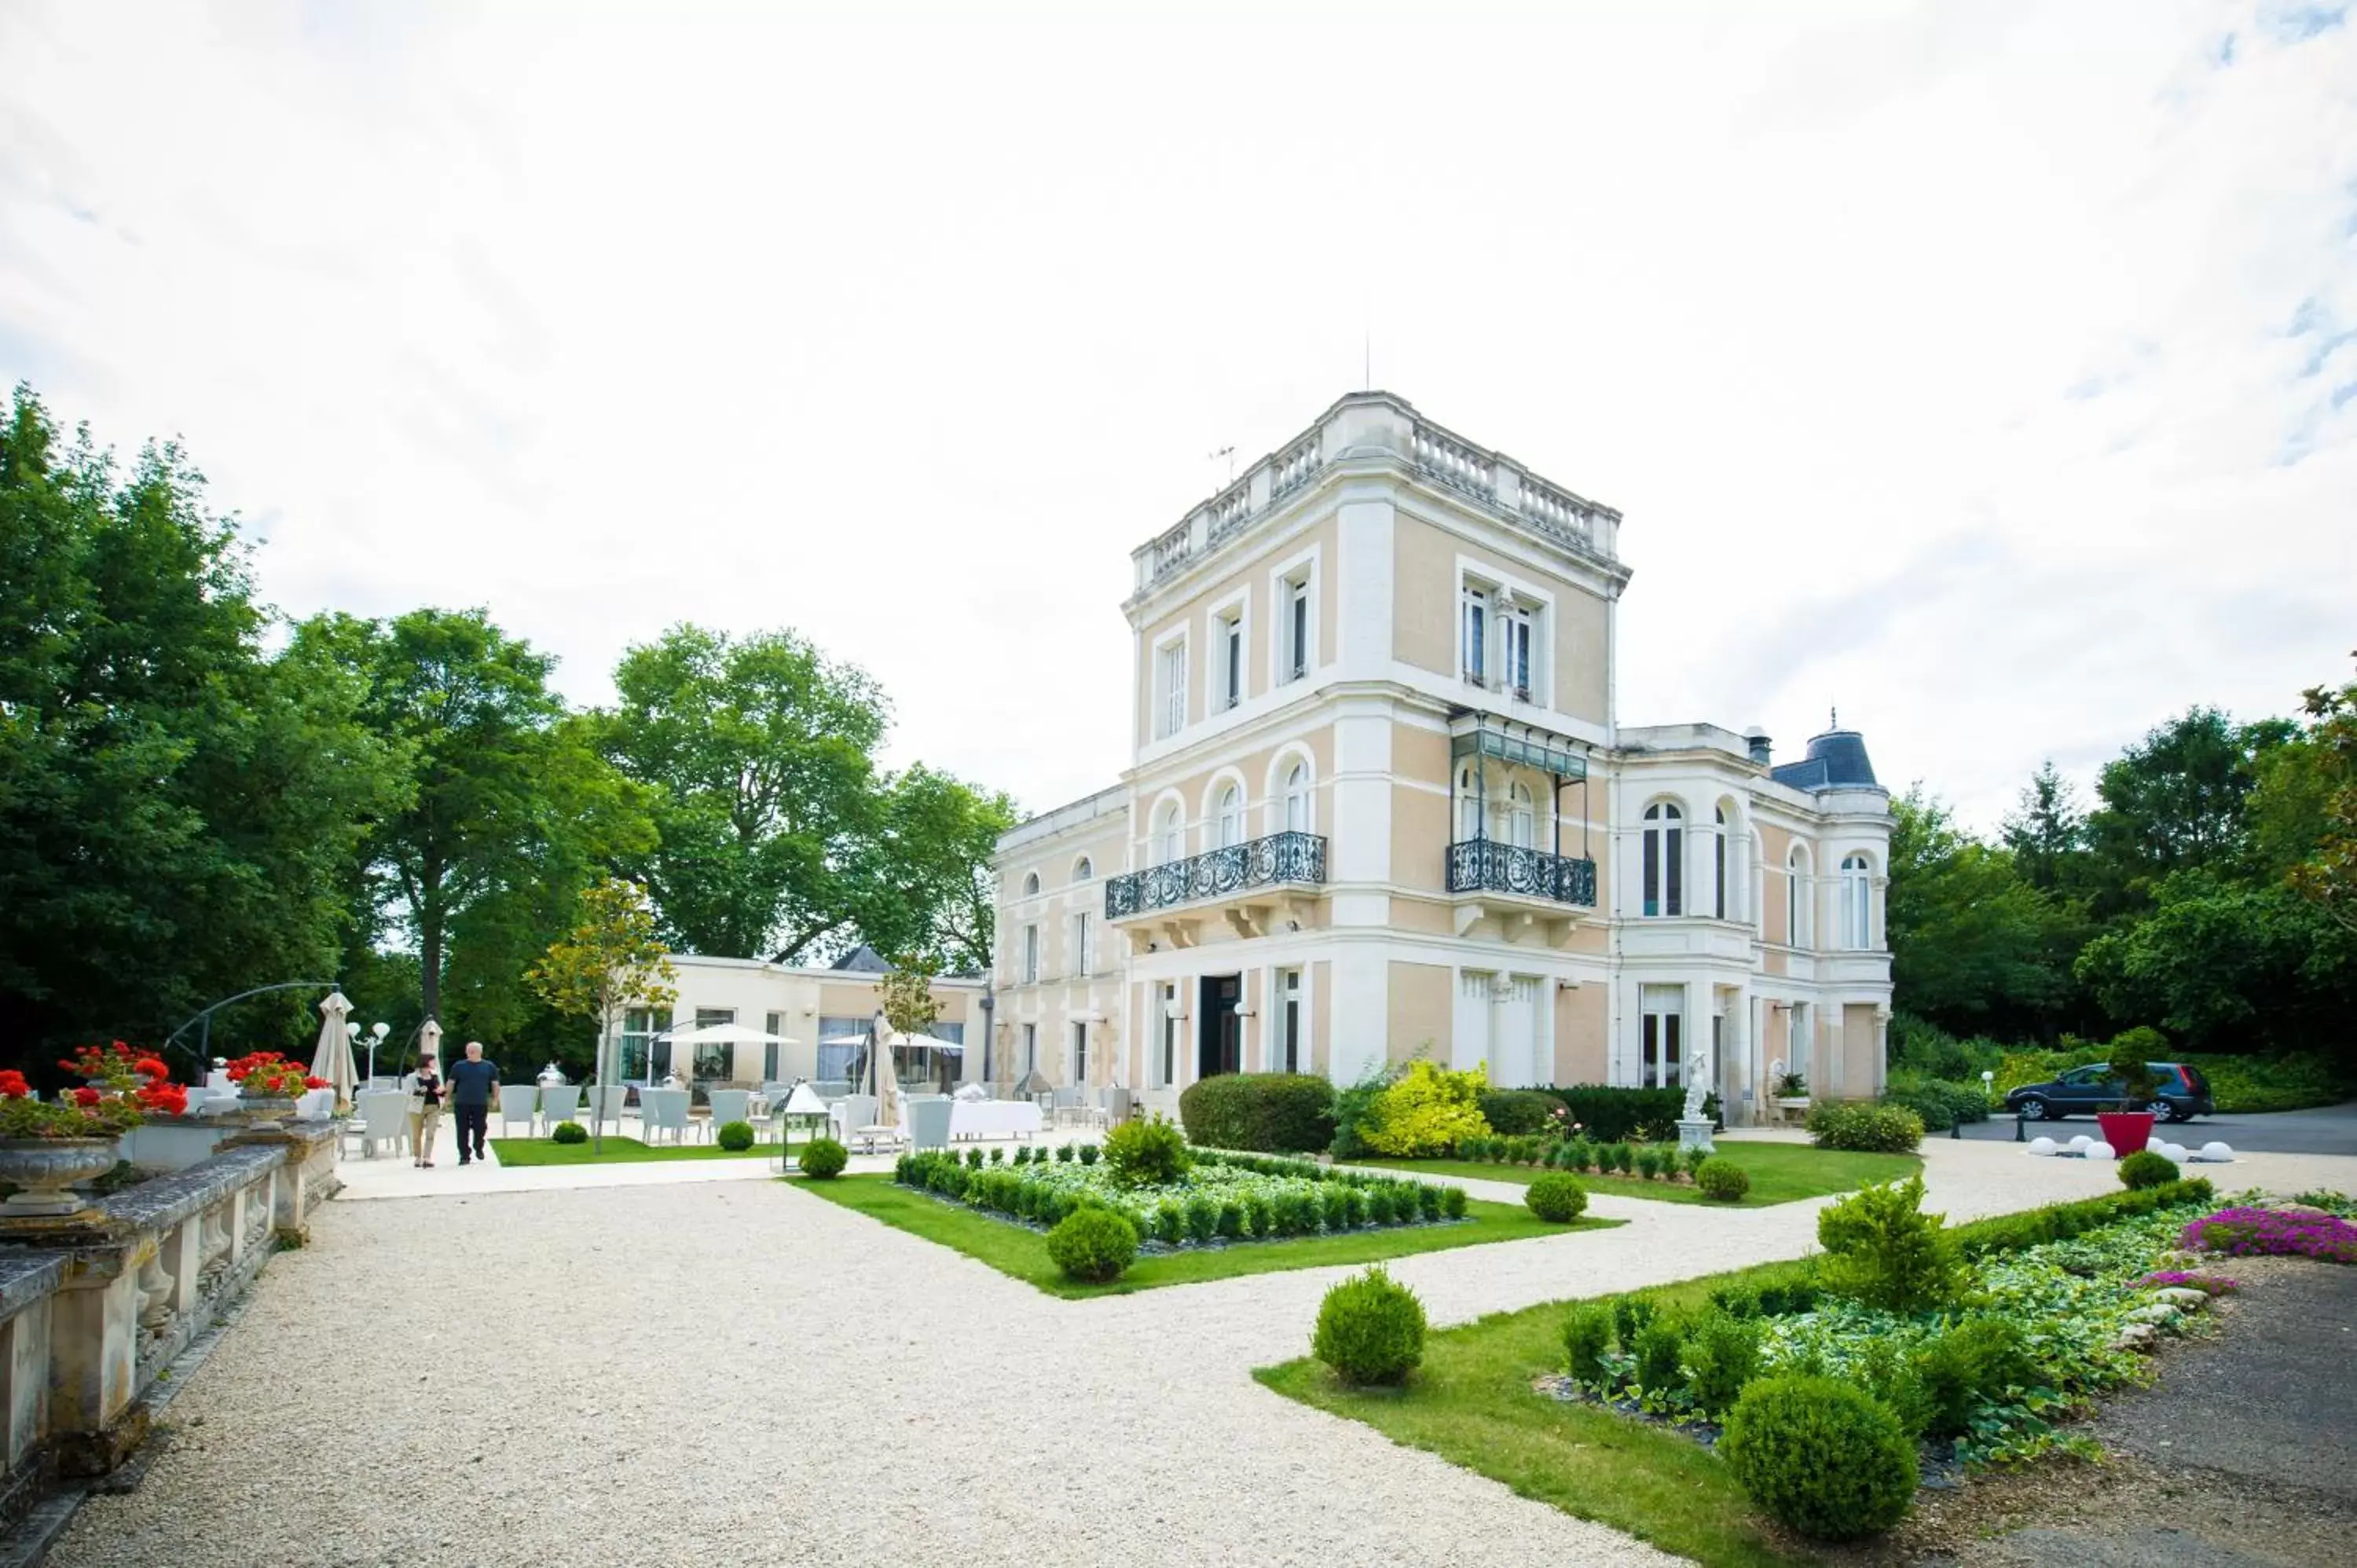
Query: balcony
[1227,876]
[1485,865]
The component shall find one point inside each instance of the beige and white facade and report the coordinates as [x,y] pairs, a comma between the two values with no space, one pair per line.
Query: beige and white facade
[1380,802]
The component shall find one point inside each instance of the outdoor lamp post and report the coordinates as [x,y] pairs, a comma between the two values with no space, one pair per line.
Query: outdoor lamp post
[377,1032]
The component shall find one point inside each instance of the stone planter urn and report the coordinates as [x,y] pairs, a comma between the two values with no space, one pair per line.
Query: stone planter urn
[45,1172]
[269,1113]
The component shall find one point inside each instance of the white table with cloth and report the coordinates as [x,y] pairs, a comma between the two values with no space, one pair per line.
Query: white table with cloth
[992,1119]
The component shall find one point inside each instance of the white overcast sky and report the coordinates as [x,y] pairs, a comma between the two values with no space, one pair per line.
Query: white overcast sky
[1988,369]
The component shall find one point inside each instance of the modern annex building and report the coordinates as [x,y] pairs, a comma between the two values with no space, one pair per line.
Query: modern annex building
[1380,802]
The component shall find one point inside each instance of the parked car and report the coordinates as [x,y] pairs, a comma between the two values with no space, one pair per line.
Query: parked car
[2181,1092]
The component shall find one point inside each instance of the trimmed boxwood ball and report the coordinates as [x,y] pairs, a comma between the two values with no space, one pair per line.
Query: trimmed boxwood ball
[2144,1168]
[569,1132]
[735,1135]
[1369,1329]
[1260,1112]
[1820,1456]
[1723,1181]
[1093,1244]
[824,1158]
[1556,1198]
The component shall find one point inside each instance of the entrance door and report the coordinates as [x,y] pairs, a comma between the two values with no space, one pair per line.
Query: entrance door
[1660,1024]
[1514,1054]
[1222,1035]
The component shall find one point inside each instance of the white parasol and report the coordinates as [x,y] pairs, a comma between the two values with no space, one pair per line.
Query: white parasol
[333,1059]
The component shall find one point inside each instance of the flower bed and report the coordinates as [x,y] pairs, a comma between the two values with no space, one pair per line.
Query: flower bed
[2244,1233]
[1220,1197]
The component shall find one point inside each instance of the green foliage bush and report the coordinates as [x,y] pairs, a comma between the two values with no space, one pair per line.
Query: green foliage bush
[2145,1168]
[1260,1215]
[1580,1154]
[1660,1350]
[1587,1336]
[1939,1104]
[1609,1114]
[1202,1218]
[1881,1249]
[1978,1358]
[998,1155]
[1064,1153]
[1722,1357]
[1352,1105]
[2061,1222]
[736,1136]
[1425,1111]
[1452,1203]
[1692,1159]
[1649,1162]
[1170,1223]
[1269,1112]
[1556,1198]
[1630,1314]
[569,1132]
[1146,1151]
[1231,1225]
[1519,1111]
[1865,1129]
[1723,1180]
[824,1158]
[1334,1207]
[1623,1157]
[1369,1329]
[1821,1457]
[1296,1214]
[1090,1154]
[1092,1244]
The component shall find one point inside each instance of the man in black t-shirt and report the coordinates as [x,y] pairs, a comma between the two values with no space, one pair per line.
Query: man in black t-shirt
[473,1085]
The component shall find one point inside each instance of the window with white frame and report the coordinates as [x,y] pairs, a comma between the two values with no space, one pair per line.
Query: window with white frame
[1030,955]
[1661,1031]
[1227,643]
[1294,655]
[1469,805]
[1165,1056]
[1083,964]
[1297,798]
[775,1024]
[1516,636]
[1663,871]
[1030,1049]
[1521,816]
[1718,865]
[639,1028]
[1171,688]
[1796,899]
[1856,891]
[1080,1052]
[1285,1049]
[1169,843]
[1228,817]
[1473,633]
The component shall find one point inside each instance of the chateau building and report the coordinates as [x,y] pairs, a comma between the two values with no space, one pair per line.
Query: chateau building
[1380,803]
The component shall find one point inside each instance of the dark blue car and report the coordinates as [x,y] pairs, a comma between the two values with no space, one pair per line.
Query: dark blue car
[2181,1092]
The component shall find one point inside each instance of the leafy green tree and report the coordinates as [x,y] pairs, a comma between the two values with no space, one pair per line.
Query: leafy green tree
[2227,966]
[2176,800]
[1974,946]
[925,883]
[177,806]
[2049,832]
[2322,868]
[612,960]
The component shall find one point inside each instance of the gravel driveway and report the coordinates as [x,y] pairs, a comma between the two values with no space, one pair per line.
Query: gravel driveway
[736,1370]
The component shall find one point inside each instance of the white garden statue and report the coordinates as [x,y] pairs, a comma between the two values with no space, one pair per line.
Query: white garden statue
[1694,1130]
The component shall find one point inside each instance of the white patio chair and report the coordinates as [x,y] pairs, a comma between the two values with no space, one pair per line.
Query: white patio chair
[729,1105]
[559,1102]
[663,1111]
[385,1119]
[516,1101]
[606,1105]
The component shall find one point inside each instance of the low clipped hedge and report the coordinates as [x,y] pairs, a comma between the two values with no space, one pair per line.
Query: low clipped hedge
[1822,1458]
[1607,1113]
[2061,1222]
[1516,1112]
[1262,1112]
[1861,1128]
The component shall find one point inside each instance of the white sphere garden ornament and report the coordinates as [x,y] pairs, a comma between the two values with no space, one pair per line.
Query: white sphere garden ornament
[2099,1151]
[2218,1152]
[2081,1140]
[2041,1146]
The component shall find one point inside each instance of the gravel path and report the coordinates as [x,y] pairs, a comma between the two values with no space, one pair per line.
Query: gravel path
[660,1373]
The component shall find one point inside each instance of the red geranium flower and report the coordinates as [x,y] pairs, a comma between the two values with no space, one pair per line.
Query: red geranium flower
[13,1084]
[87,1096]
[314,1081]
[151,1067]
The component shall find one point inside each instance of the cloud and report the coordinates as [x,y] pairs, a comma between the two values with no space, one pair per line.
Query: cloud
[1943,358]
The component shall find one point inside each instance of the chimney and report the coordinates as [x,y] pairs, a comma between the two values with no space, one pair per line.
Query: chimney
[1755,739]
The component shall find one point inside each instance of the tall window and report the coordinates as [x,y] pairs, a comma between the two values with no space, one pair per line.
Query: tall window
[1030,955]
[1719,865]
[1296,628]
[774,1024]
[1285,1052]
[835,1061]
[1229,817]
[639,1028]
[1030,1049]
[1796,899]
[1171,688]
[1231,659]
[1664,867]
[1079,1053]
[1469,805]
[1515,630]
[1856,890]
[1522,817]
[1475,635]
[1168,845]
[1165,1060]
[710,1062]
[1297,798]
[1082,963]
[1662,1025]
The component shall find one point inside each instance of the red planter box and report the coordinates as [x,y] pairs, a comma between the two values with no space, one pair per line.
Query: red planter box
[2127,1131]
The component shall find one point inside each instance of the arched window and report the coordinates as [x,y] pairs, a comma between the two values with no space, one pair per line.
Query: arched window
[1083,870]
[1229,817]
[1759,884]
[1297,798]
[1522,818]
[1030,883]
[1796,899]
[1664,869]
[1468,806]
[1168,844]
[1856,888]
[1719,865]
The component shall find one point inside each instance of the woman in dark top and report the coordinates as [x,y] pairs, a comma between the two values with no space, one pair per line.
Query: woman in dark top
[424,1110]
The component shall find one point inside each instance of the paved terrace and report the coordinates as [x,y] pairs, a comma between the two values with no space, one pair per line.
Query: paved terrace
[662,1369]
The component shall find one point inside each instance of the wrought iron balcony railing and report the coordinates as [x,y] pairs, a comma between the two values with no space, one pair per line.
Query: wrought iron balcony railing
[1485,865]
[1259,863]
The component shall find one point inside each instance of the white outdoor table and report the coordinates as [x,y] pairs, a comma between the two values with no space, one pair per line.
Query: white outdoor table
[992,1119]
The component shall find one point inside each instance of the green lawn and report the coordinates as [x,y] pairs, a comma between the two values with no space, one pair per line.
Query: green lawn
[1471,1402]
[1023,1252]
[1780,1173]
[618,1151]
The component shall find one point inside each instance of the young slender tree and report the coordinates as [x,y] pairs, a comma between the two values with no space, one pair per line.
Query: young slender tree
[611,963]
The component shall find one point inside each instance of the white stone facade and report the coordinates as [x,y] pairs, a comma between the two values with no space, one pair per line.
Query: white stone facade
[1380,802]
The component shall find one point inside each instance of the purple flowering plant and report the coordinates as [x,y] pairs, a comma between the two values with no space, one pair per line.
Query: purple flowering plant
[2216,1284]
[2255,1232]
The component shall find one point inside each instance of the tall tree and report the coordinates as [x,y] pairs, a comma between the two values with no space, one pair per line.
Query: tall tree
[926,883]
[513,811]
[2325,871]
[2048,831]
[761,752]
[2176,800]
[176,805]
[1974,946]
